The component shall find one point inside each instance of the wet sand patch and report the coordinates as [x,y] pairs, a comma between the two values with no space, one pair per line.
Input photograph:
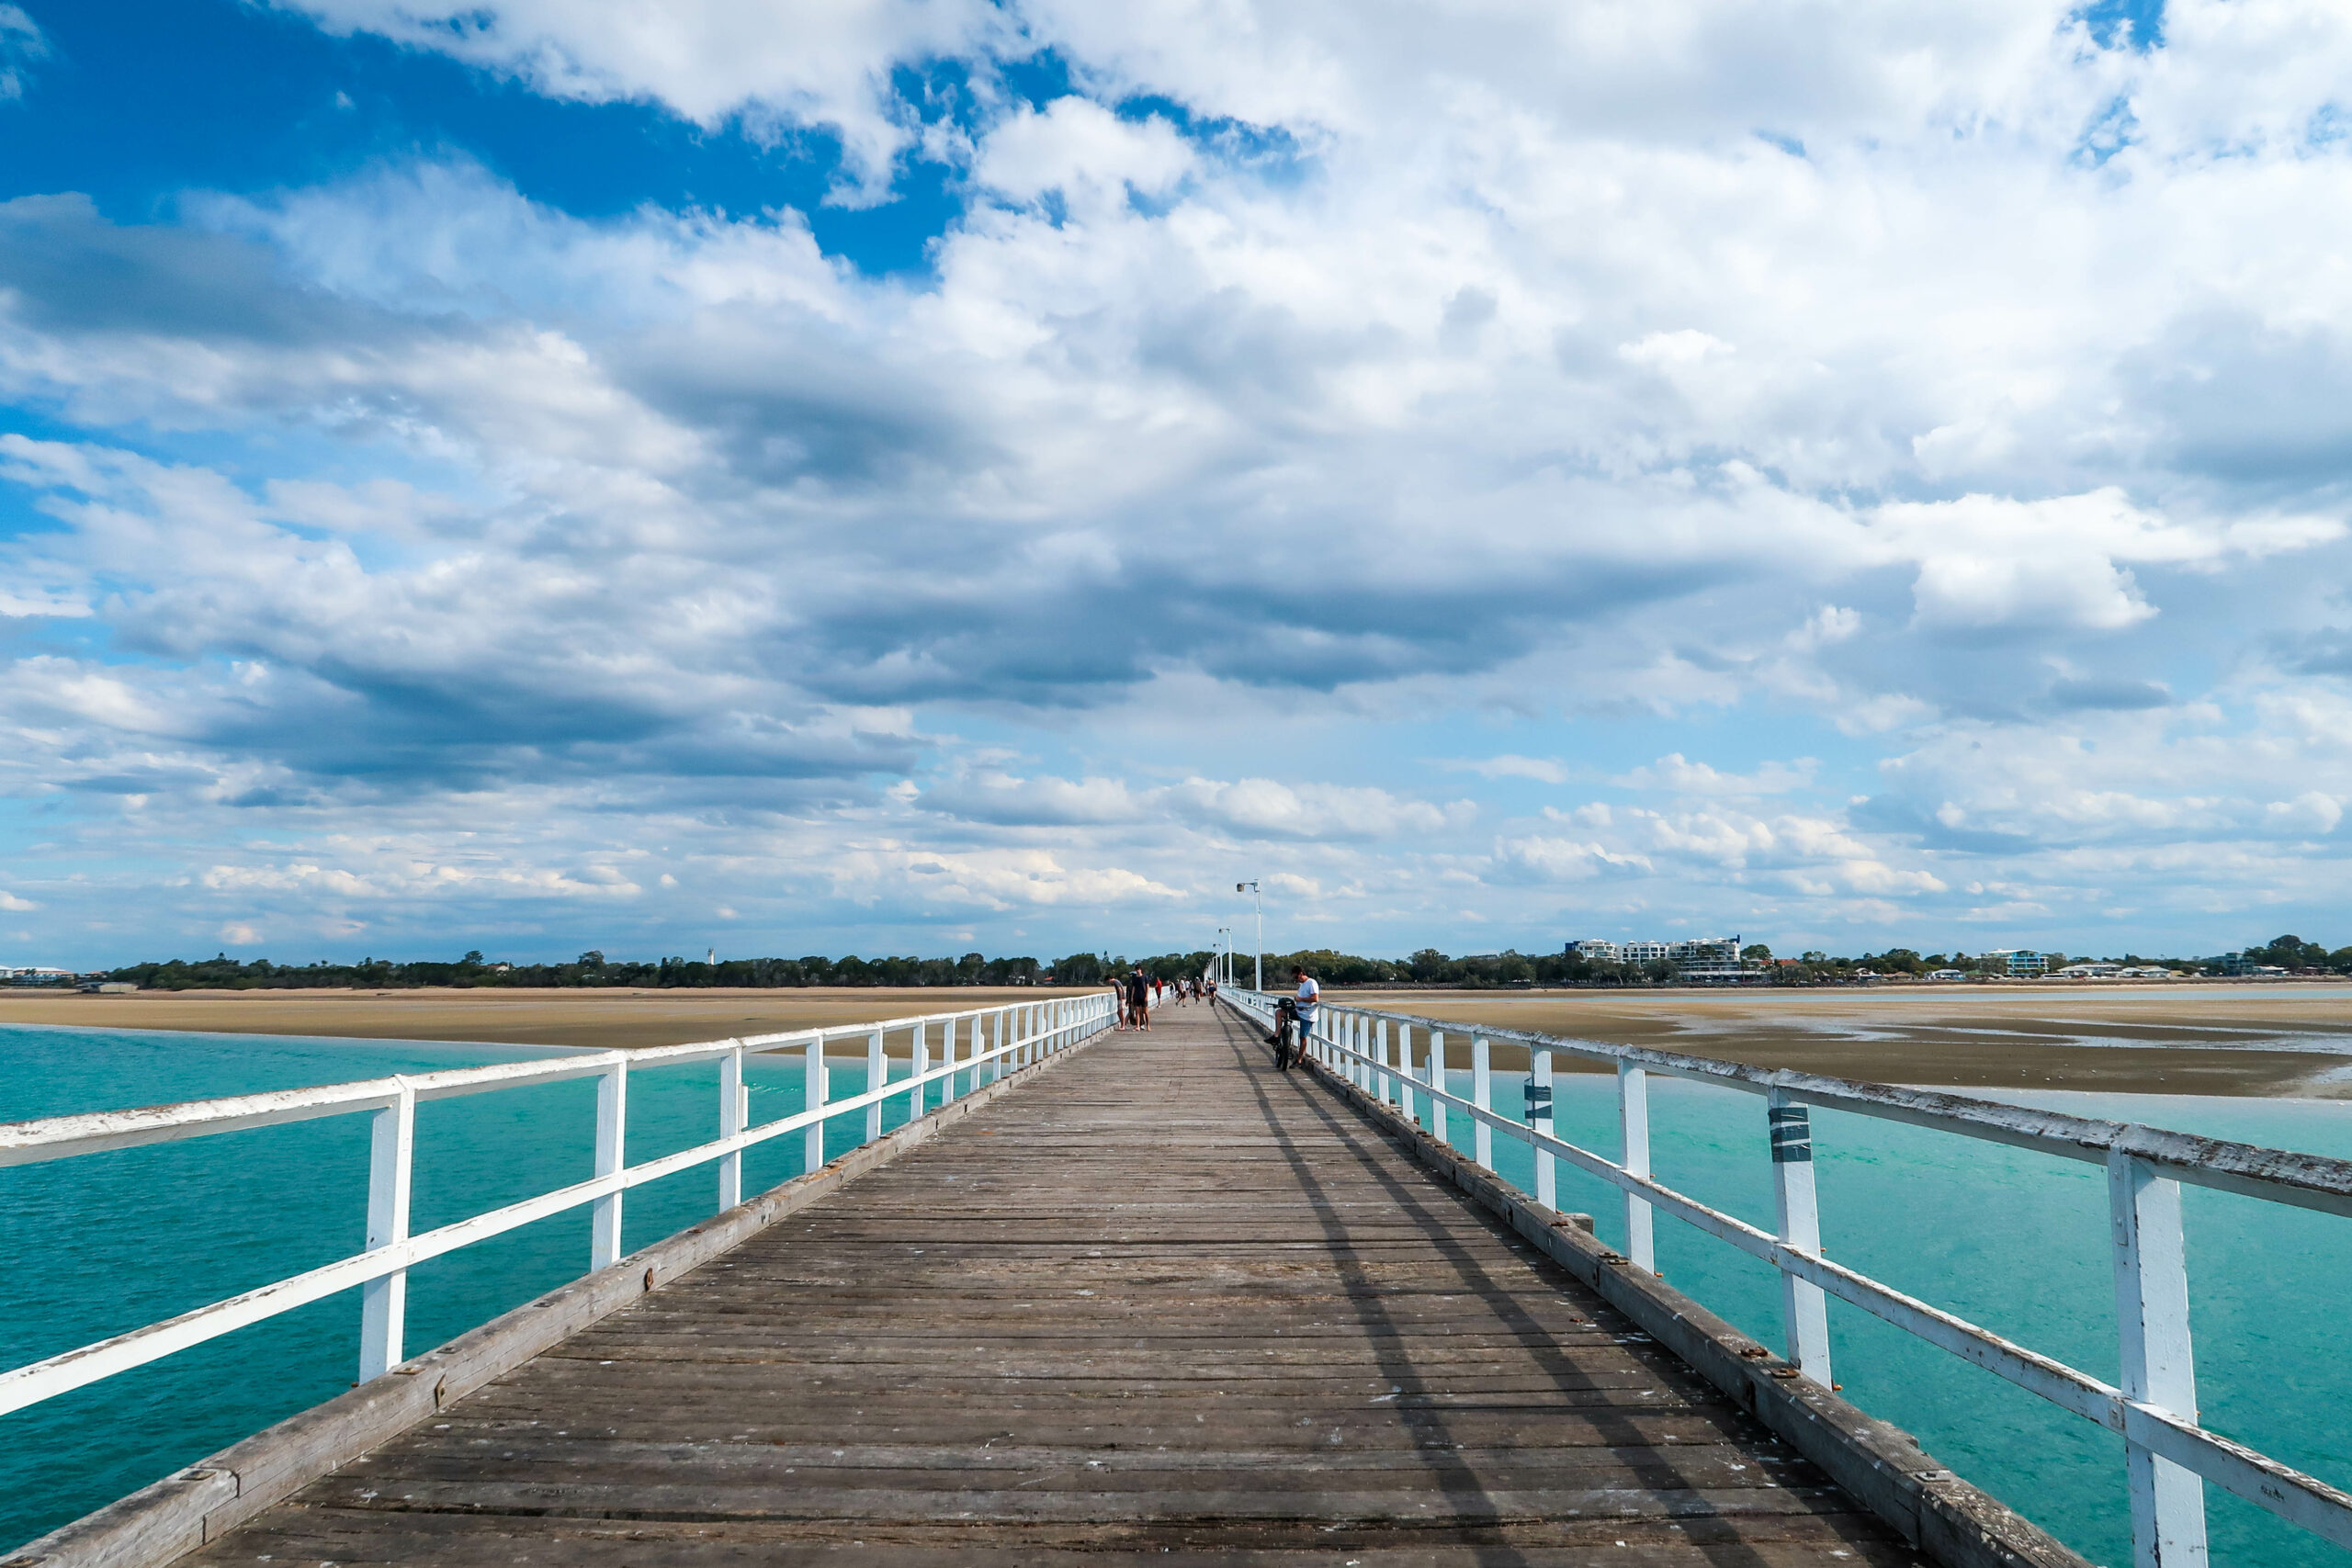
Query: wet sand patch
[2222,1040]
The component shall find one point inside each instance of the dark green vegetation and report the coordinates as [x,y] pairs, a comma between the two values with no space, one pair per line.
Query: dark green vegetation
[1505,970]
[593,969]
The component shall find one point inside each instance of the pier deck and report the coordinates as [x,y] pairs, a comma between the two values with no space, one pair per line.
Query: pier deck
[1164,1300]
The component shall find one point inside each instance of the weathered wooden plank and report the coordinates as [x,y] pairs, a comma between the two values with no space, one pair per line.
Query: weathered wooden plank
[333,1536]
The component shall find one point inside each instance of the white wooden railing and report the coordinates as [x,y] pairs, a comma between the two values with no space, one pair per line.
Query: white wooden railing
[974,1047]
[2168,1456]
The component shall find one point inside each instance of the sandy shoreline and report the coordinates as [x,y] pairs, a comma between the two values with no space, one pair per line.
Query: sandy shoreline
[2275,1040]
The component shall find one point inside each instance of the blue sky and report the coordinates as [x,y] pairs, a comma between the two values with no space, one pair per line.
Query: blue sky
[931,474]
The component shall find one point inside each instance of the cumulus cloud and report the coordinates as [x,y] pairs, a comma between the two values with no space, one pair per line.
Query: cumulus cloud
[710,60]
[1281,392]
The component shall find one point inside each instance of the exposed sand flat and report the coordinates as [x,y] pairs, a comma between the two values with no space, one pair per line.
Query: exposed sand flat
[599,1018]
[2216,1039]
[2246,1040]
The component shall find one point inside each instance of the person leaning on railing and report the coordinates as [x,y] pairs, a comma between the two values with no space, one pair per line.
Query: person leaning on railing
[1306,998]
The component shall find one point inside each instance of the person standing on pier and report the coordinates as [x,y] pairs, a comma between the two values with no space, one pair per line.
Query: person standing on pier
[1309,994]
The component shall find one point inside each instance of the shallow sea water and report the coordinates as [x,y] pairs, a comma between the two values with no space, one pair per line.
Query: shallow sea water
[105,1243]
[2012,1240]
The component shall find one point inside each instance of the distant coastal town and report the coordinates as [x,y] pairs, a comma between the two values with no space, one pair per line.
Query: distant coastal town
[1590,962]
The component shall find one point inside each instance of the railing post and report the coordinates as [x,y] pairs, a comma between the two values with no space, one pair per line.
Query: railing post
[1387,1080]
[383,1303]
[1802,1306]
[1405,1078]
[1437,1082]
[734,1114]
[1482,1095]
[1539,1117]
[917,1094]
[1633,1126]
[612,1139]
[2152,1312]
[813,1096]
[878,1068]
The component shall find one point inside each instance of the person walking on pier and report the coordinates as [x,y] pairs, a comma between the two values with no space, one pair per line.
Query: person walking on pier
[1139,998]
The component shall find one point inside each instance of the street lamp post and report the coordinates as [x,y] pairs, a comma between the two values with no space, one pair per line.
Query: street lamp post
[1257,954]
[1225,958]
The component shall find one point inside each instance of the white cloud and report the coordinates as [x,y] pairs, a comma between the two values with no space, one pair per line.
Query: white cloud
[1543,770]
[21,44]
[708,59]
[1541,859]
[1564,368]
[1675,775]
[1079,148]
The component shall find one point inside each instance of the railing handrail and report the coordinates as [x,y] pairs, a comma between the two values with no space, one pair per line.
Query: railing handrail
[2168,1454]
[57,1137]
[2283,1176]
[1026,1030]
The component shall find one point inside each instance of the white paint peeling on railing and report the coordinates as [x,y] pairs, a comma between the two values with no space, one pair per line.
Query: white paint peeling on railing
[2168,1455]
[1019,1034]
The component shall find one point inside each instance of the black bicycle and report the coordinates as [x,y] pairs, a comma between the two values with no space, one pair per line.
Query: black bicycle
[1288,1039]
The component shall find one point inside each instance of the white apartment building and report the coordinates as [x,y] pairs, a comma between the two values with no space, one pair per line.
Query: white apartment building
[1711,955]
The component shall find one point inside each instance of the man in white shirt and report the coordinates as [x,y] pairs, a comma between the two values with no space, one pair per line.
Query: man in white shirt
[1308,991]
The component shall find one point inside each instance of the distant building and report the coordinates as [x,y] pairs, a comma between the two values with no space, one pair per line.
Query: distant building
[2017,963]
[1949,975]
[1705,959]
[2090,971]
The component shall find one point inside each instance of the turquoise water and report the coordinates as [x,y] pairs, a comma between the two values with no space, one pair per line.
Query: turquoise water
[2017,1243]
[2012,1240]
[106,1243]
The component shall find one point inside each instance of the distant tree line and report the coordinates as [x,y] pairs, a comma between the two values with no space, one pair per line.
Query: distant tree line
[1508,969]
[593,969]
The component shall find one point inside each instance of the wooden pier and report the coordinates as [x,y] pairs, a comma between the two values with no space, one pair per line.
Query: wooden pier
[1162,1301]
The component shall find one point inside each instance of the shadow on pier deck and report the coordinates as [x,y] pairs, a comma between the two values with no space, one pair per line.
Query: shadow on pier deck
[1165,1301]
